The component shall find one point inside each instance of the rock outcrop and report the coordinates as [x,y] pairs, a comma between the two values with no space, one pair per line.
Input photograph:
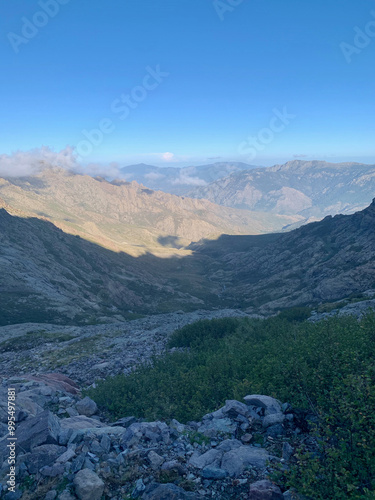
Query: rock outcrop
[67,457]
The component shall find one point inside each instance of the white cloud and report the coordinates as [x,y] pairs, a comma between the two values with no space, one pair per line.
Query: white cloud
[154,176]
[190,181]
[96,169]
[167,156]
[23,163]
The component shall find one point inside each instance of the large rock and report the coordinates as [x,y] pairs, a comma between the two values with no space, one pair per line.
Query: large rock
[88,485]
[272,419]
[57,381]
[270,405]
[167,492]
[44,428]
[87,407]
[233,408]
[43,455]
[28,405]
[211,457]
[265,490]
[80,422]
[216,426]
[214,473]
[237,460]
[229,445]
[155,460]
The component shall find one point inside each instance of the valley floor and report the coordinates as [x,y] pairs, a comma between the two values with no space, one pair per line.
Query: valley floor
[86,353]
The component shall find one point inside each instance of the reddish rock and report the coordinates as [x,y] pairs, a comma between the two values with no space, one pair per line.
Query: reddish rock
[57,381]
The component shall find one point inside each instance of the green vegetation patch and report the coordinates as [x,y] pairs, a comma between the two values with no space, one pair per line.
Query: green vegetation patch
[203,331]
[327,368]
[79,349]
[33,339]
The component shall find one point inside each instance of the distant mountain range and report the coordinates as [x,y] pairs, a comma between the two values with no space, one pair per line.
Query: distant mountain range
[310,189]
[180,180]
[307,188]
[127,216]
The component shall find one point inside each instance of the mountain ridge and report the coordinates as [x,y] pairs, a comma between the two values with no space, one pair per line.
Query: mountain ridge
[126,215]
[179,181]
[311,189]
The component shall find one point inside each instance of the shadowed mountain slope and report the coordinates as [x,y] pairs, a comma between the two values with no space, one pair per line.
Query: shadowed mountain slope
[47,275]
[320,262]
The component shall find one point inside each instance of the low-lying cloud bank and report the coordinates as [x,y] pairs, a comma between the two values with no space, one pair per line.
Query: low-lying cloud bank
[25,163]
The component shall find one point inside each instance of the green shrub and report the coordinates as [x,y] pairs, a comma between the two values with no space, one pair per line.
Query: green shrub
[296,314]
[203,331]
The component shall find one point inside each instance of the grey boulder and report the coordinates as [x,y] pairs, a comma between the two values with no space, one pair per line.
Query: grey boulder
[211,457]
[270,405]
[86,407]
[239,459]
[272,419]
[88,485]
[43,455]
[214,473]
[265,490]
[44,428]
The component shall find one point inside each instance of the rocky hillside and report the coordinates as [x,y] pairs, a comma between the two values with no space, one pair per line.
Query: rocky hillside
[86,353]
[126,216]
[320,262]
[312,189]
[44,270]
[50,276]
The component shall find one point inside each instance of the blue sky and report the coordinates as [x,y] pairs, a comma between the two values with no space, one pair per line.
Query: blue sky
[221,72]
